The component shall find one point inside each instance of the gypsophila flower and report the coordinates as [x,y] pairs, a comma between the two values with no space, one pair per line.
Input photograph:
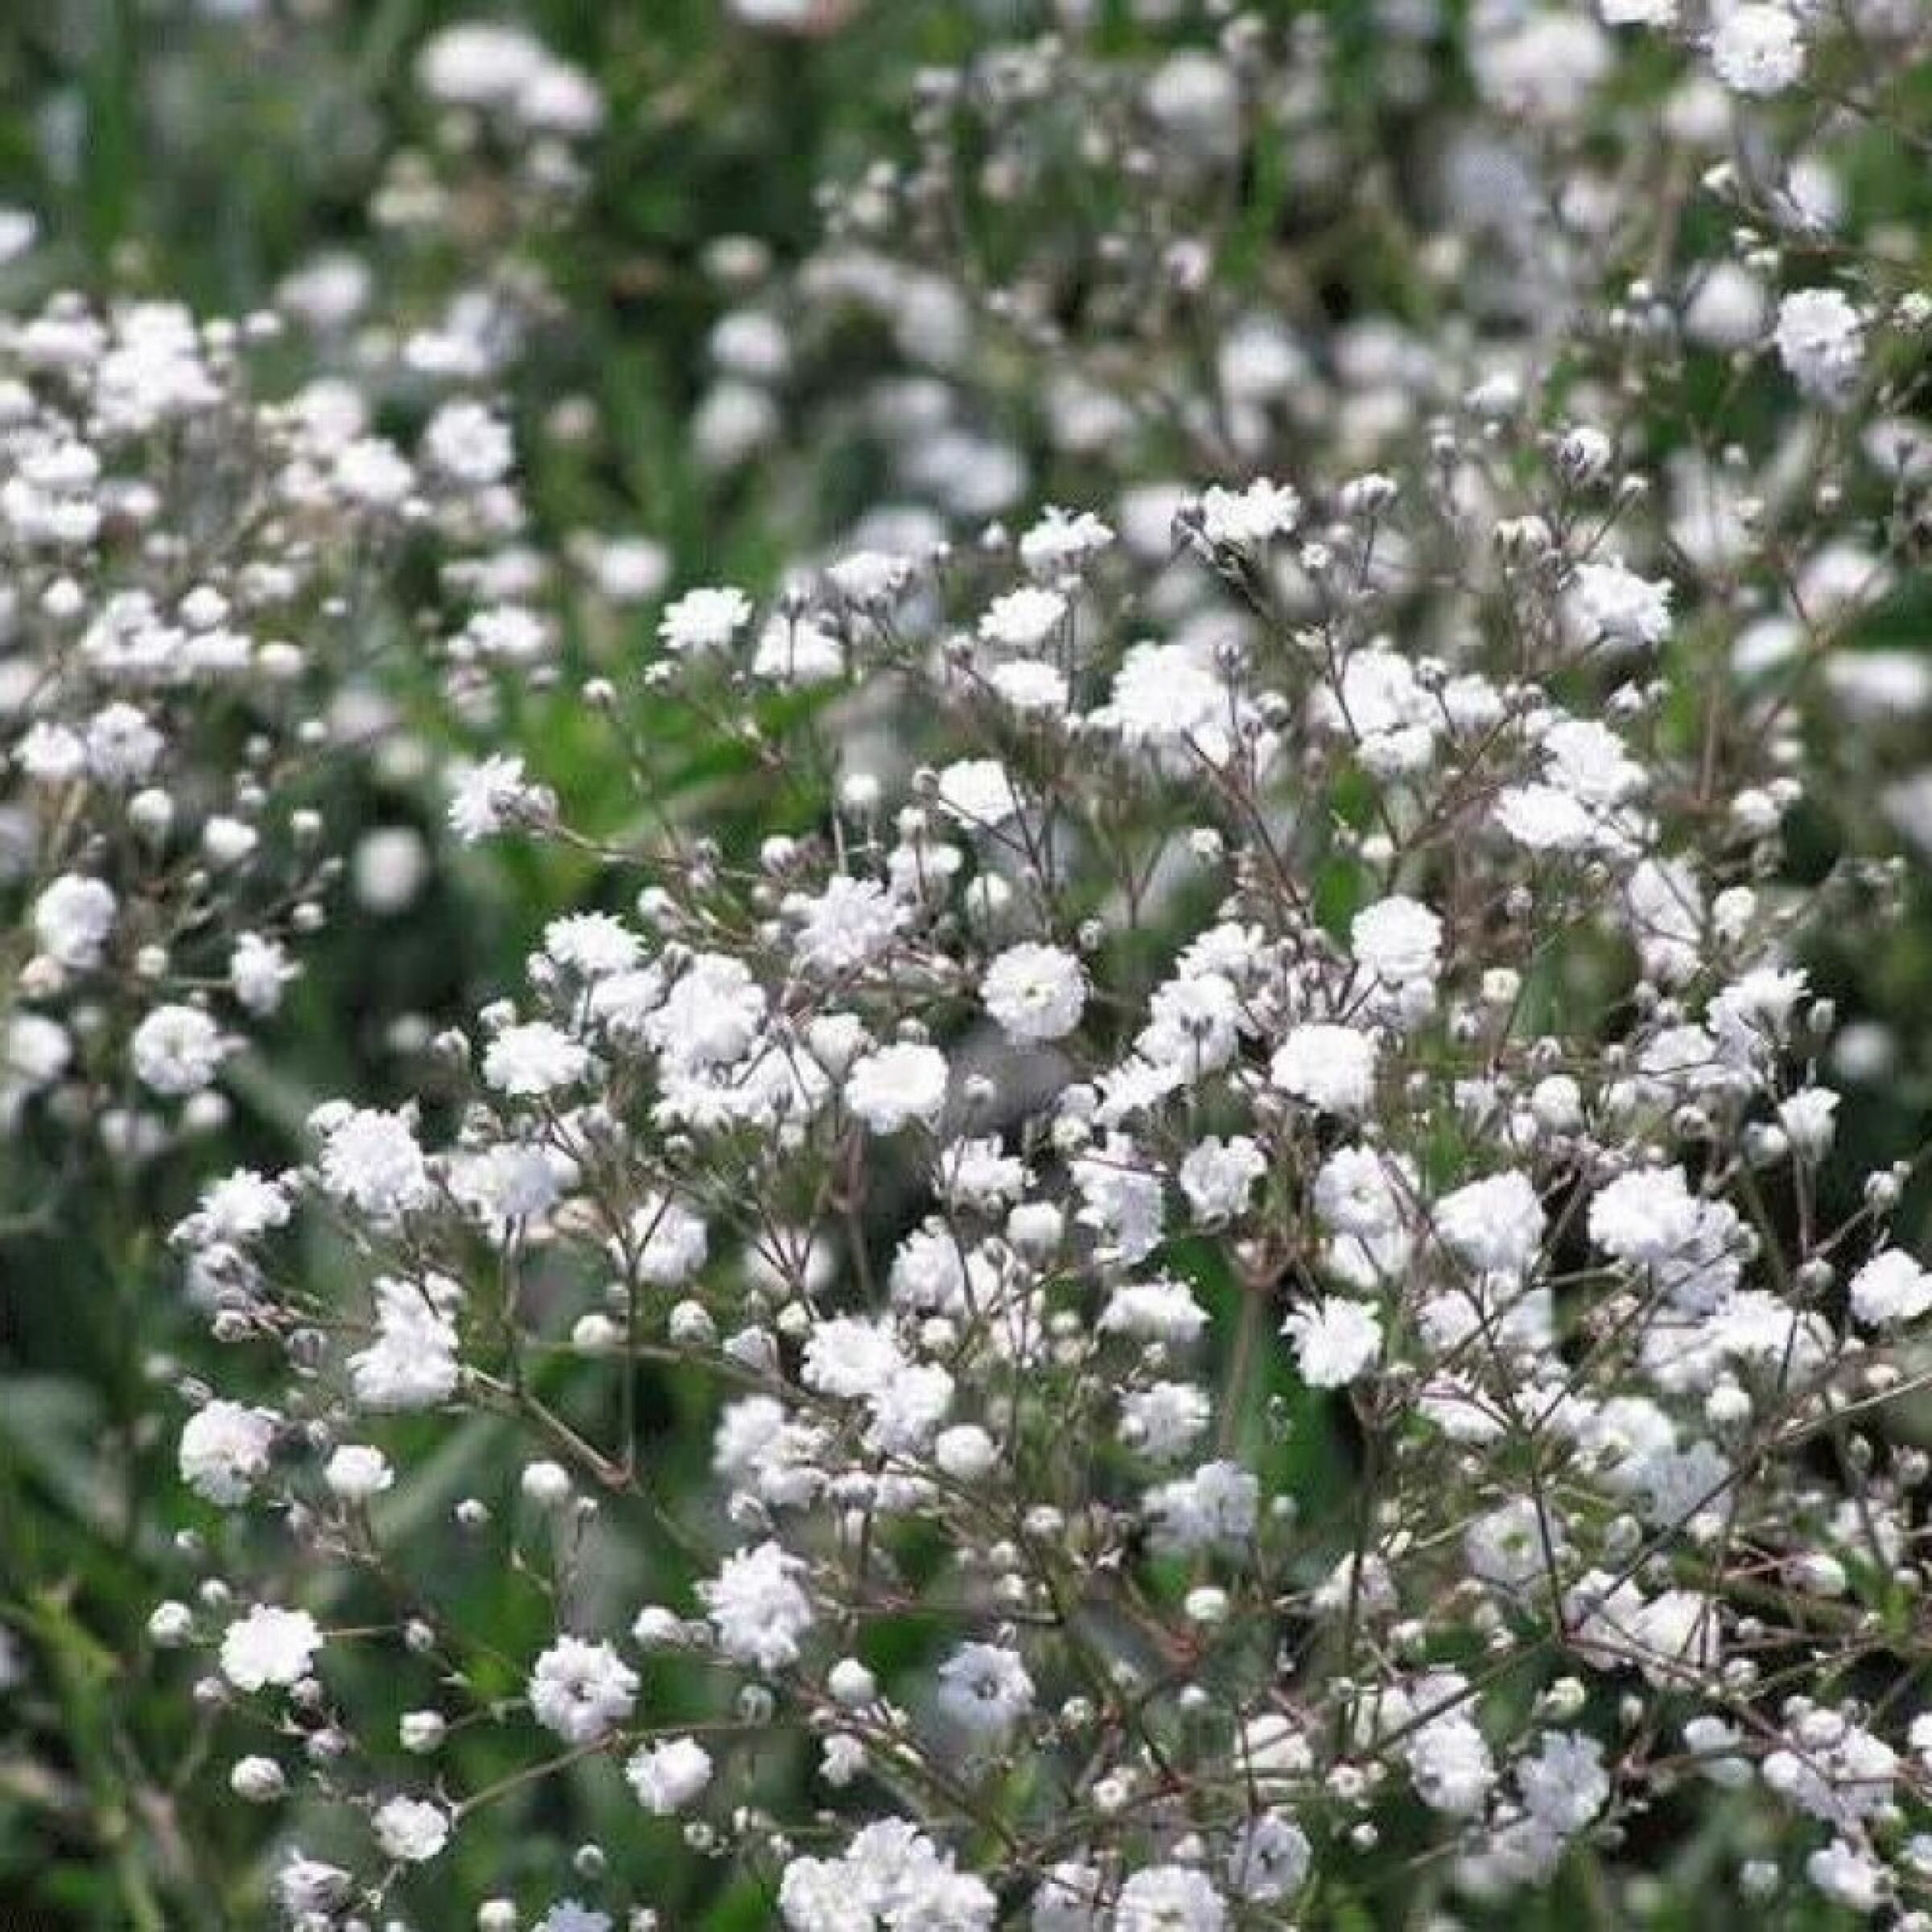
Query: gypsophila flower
[73,918]
[852,923]
[1755,48]
[1270,1859]
[703,622]
[1619,607]
[241,1206]
[977,792]
[176,1051]
[1495,1226]
[1036,992]
[985,1690]
[669,1777]
[1037,953]
[490,797]
[1892,1287]
[269,1646]
[1169,1898]
[411,1830]
[533,1060]
[1219,1175]
[1335,1342]
[259,971]
[1331,1068]
[580,1690]
[1249,517]
[1820,339]
[224,1451]
[896,1086]
[356,1473]
[757,1606]
[1023,620]
[371,1160]
[671,1243]
[570,1915]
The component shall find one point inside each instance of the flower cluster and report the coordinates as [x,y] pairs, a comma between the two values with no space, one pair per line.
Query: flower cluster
[1186,1261]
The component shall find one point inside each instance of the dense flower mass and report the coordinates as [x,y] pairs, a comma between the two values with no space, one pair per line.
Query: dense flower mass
[1150,1163]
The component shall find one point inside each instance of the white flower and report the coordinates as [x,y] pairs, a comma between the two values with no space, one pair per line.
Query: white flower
[72,919]
[1217,1177]
[224,1451]
[704,622]
[668,1776]
[1216,1508]
[893,1086]
[1891,1287]
[535,1058]
[492,796]
[977,792]
[1546,818]
[1809,1120]
[51,754]
[1848,1876]
[1397,941]
[1587,760]
[851,924]
[1269,1860]
[1165,1421]
[269,1646]
[241,1206]
[1169,1898]
[177,1051]
[757,1607]
[260,1781]
[1619,606]
[370,1160]
[306,1885]
[372,472]
[412,1363]
[1756,49]
[1564,1785]
[1121,1198]
[1384,710]
[1821,340]
[1645,1217]
[1155,1311]
[1494,1226]
[580,1690]
[467,443]
[671,1242]
[709,1017]
[476,63]
[1357,1192]
[1331,1067]
[123,747]
[259,969]
[1664,907]
[1062,539]
[355,1473]
[569,1915]
[1024,619]
[1030,686]
[1169,699]
[985,1690]
[1248,519]
[412,1829]
[592,944]
[1335,1342]
[1035,991]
